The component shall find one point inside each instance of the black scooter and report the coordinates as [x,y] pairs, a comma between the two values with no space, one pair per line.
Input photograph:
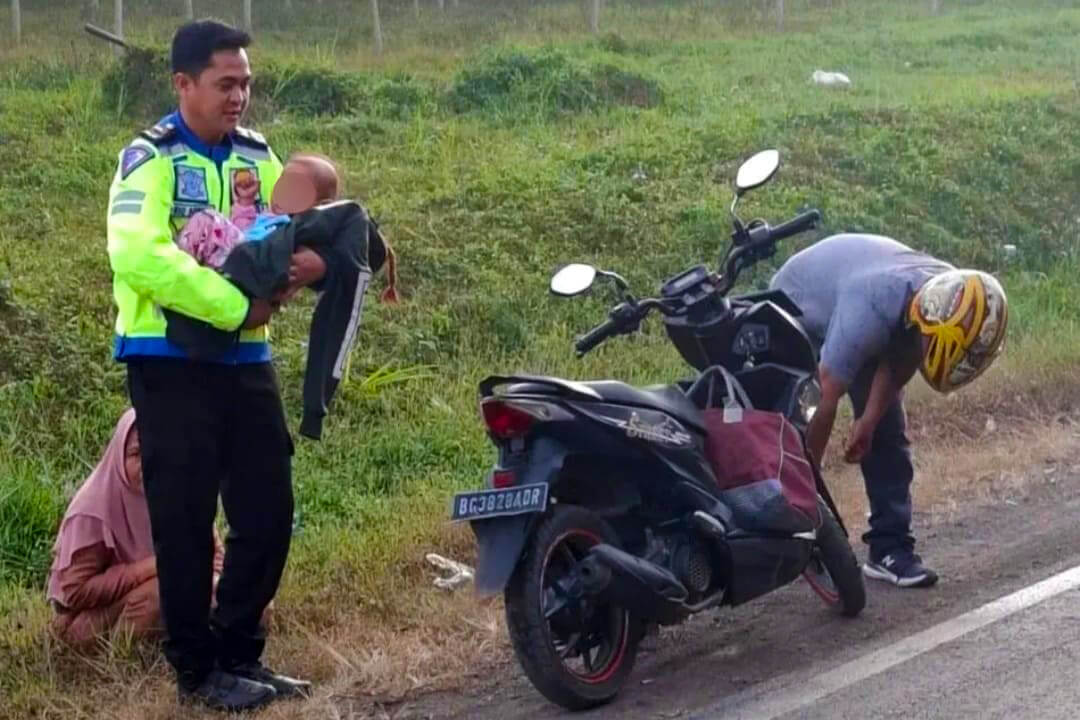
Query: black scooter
[603,516]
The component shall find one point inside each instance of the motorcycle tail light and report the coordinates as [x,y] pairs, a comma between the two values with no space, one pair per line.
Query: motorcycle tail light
[503,479]
[504,420]
[514,418]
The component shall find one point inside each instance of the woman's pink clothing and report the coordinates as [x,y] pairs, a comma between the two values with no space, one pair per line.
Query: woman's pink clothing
[105,510]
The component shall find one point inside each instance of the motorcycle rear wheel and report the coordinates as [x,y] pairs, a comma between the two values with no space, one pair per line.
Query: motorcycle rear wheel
[549,636]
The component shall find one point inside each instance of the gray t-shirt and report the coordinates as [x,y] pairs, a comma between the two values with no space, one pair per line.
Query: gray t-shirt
[854,292]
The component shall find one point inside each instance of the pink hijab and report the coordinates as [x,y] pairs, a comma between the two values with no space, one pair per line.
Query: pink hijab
[105,509]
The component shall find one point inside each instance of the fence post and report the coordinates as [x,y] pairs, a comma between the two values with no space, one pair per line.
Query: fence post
[378,26]
[118,24]
[16,21]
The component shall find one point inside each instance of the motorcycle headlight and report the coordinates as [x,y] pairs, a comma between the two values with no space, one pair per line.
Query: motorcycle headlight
[808,395]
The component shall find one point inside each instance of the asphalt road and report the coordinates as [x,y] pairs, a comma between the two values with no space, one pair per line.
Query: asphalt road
[1024,666]
[989,641]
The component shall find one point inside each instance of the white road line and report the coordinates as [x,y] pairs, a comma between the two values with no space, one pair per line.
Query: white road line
[767,706]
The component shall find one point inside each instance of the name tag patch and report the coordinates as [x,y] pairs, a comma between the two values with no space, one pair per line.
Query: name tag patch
[186,210]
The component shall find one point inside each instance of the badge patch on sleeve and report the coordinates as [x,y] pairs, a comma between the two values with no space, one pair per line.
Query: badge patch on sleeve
[191,184]
[132,158]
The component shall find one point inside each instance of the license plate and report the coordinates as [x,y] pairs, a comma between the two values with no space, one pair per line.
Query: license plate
[496,503]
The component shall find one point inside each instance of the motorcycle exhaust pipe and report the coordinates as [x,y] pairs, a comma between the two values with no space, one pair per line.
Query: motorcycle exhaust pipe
[640,586]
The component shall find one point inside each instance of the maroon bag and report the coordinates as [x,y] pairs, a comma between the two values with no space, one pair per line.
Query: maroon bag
[761,465]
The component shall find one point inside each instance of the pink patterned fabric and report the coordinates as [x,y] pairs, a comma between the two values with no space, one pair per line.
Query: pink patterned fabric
[209,237]
[117,512]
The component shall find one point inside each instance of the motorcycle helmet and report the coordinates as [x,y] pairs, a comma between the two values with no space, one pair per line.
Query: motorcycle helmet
[961,316]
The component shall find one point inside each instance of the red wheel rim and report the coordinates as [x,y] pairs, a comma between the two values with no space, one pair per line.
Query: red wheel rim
[822,582]
[616,650]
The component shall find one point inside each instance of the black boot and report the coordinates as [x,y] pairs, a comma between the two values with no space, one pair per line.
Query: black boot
[283,685]
[225,691]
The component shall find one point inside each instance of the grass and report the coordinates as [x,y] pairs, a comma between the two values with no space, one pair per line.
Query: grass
[494,143]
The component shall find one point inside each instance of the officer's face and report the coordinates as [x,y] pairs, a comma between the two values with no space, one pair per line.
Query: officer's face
[218,97]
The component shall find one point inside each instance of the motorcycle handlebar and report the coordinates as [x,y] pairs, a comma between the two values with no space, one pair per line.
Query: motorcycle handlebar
[760,244]
[624,318]
[597,335]
[761,238]
[799,223]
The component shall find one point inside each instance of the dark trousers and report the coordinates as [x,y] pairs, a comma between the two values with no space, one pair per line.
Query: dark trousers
[209,429]
[887,473]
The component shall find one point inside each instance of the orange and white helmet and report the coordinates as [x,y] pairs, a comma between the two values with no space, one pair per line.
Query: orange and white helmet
[961,315]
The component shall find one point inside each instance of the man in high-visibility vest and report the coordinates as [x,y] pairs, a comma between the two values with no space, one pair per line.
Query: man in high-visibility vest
[206,427]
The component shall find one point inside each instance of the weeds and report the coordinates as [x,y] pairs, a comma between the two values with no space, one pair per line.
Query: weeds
[514,82]
[493,146]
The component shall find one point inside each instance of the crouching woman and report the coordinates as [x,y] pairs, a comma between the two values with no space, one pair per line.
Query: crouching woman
[103,576]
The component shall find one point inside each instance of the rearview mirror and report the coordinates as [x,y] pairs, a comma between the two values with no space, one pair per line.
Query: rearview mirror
[757,171]
[573,279]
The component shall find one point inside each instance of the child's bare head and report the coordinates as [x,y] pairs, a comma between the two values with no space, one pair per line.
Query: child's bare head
[323,172]
[308,179]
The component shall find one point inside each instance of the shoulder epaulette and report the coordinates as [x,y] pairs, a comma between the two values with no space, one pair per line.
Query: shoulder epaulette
[160,133]
[250,138]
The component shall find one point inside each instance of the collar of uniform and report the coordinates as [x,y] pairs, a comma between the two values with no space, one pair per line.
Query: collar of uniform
[217,153]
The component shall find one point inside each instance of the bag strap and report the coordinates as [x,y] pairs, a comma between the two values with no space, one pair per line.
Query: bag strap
[735,400]
[735,390]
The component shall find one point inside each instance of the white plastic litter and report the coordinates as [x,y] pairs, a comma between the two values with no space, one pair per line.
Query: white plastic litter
[460,574]
[831,79]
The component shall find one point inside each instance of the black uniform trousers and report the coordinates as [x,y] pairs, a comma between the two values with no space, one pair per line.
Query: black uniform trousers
[208,429]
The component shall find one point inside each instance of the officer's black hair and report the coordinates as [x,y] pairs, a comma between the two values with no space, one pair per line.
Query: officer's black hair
[195,43]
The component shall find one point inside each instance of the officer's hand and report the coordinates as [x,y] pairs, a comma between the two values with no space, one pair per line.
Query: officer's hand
[258,314]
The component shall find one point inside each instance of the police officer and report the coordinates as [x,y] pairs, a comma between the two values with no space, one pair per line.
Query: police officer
[207,427]
[880,311]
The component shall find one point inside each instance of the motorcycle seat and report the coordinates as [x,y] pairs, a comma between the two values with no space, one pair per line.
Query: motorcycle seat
[665,398]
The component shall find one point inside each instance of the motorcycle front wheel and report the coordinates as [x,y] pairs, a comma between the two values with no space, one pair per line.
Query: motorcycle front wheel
[577,653]
[834,572]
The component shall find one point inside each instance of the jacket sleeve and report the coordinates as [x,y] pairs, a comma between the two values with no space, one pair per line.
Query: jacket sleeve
[89,581]
[142,253]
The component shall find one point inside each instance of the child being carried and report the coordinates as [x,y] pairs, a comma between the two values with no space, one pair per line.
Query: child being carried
[306,180]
